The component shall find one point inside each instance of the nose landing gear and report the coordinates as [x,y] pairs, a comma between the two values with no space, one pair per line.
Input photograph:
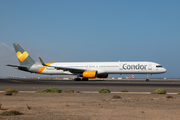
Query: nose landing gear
[147,80]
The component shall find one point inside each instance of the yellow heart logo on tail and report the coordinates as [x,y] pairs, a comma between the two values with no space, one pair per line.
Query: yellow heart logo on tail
[22,57]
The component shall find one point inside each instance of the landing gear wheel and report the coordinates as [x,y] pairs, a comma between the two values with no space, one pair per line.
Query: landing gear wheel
[84,79]
[77,79]
[147,80]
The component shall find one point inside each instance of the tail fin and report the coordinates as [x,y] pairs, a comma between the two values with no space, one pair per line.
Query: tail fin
[23,57]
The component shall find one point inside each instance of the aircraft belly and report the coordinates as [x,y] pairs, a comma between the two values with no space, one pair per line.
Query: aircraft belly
[133,72]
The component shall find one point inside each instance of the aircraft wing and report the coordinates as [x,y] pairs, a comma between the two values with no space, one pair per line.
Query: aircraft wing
[72,70]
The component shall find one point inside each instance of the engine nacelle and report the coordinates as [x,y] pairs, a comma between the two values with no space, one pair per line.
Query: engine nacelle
[89,74]
[102,75]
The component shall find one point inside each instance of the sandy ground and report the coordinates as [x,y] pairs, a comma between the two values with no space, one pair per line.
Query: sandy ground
[88,106]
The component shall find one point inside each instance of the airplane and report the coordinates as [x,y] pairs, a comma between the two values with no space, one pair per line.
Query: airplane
[85,70]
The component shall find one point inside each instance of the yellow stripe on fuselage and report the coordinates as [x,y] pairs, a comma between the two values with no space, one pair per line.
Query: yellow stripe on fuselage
[49,63]
[43,67]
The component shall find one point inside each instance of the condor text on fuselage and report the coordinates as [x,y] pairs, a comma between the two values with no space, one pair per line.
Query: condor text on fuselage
[134,67]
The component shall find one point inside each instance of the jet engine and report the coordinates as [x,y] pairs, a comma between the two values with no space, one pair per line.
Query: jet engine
[89,74]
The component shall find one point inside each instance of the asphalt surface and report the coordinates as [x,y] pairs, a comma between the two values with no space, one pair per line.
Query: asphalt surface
[171,86]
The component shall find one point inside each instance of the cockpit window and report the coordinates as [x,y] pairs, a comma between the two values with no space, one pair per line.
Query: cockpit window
[158,66]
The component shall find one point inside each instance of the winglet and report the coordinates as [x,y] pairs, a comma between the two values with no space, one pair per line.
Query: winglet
[42,62]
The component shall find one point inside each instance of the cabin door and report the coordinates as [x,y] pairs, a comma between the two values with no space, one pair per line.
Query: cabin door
[150,67]
[120,66]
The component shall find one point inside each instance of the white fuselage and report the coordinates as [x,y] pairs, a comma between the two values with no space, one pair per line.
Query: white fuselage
[103,68]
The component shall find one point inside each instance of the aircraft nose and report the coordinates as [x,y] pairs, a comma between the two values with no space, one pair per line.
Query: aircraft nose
[164,70]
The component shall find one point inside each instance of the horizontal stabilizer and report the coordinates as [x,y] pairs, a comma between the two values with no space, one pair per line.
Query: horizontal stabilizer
[18,67]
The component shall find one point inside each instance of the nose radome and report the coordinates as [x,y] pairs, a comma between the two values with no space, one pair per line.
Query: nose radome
[164,70]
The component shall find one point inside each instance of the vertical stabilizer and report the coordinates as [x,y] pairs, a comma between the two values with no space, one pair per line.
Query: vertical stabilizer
[23,57]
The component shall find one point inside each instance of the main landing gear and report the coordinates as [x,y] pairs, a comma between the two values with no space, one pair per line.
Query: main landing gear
[147,80]
[79,79]
[84,79]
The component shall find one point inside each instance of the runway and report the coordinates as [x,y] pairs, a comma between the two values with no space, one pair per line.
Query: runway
[172,86]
